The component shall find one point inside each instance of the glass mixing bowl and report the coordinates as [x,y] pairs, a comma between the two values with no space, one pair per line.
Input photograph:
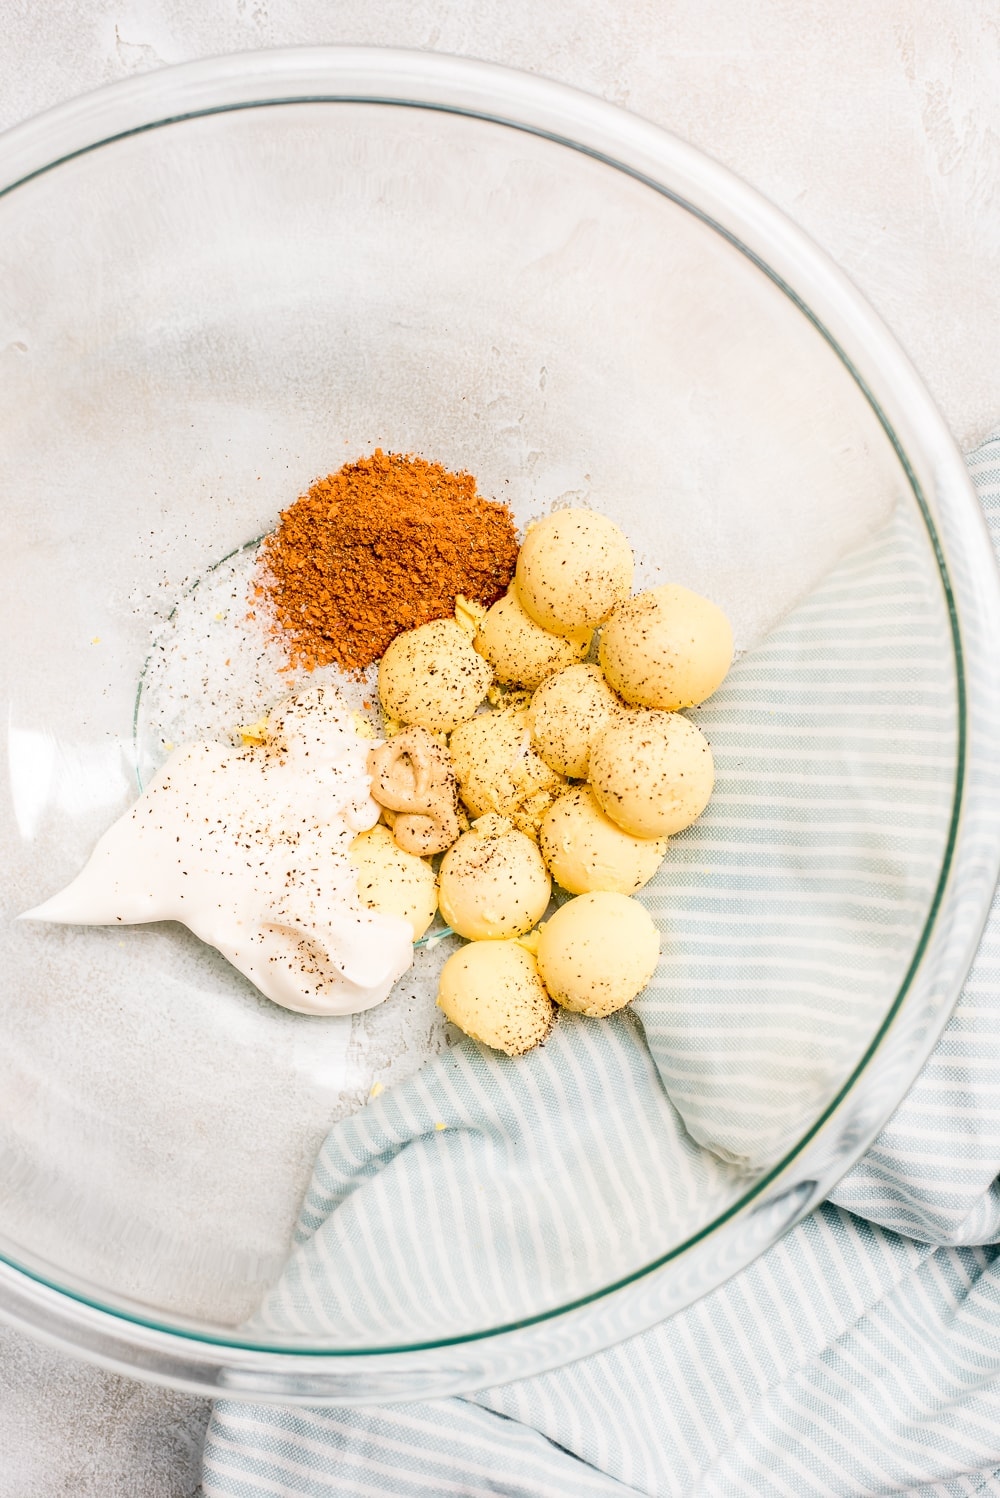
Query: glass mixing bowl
[221,280]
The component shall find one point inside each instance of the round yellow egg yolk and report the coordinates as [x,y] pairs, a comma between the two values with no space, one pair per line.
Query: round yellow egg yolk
[498,771]
[597,953]
[394,881]
[567,713]
[667,648]
[493,883]
[520,651]
[652,773]
[573,567]
[492,991]
[432,676]
[585,851]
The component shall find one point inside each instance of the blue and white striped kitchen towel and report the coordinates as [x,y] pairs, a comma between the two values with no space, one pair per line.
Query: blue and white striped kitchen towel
[848,1360]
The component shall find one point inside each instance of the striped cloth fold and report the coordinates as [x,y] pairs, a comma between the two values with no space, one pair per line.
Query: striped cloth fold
[849,1359]
[794,903]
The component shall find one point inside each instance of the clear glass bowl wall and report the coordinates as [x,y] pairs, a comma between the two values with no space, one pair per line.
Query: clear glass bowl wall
[201,318]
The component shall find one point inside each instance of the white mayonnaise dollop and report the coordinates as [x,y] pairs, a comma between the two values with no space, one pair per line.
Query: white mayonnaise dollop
[249,848]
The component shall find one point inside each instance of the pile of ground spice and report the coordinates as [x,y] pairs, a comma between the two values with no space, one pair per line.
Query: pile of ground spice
[384,544]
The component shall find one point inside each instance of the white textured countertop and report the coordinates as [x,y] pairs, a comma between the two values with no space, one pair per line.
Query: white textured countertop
[877,128]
